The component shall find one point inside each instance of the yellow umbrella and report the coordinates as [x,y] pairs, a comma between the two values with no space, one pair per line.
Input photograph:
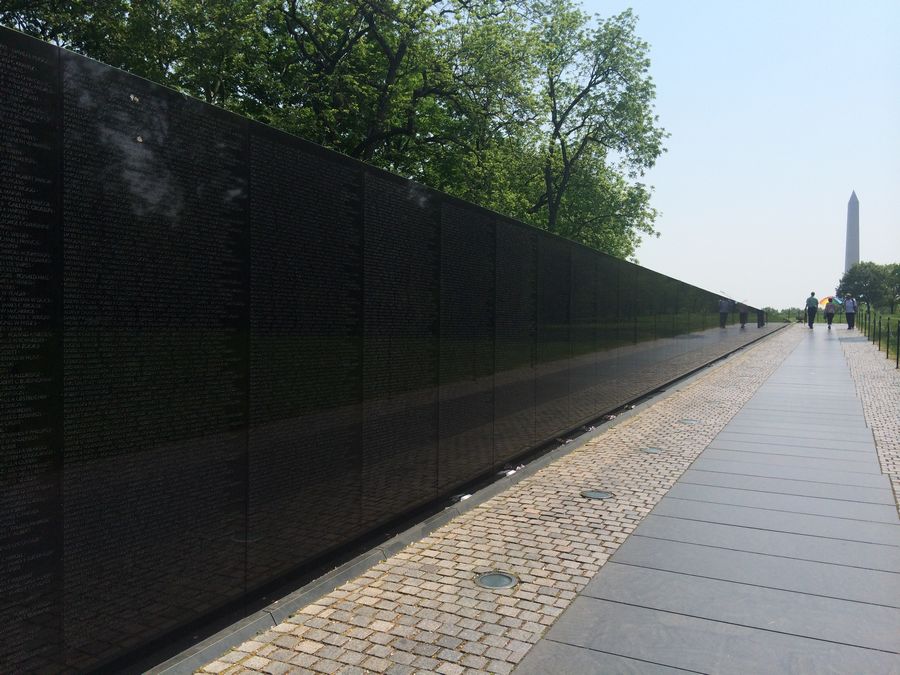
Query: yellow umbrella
[824,301]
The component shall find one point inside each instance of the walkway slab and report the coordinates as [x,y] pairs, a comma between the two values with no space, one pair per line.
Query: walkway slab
[701,645]
[813,431]
[786,486]
[815,506]
[832,414]
[853,623]
[813,548]
[826,440]
[781,521]
[762,417]
[776,459]
[788,574]
[770,470]
[860,456]
[549,656]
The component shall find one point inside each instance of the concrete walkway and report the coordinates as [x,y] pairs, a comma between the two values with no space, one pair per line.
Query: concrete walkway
[777,551]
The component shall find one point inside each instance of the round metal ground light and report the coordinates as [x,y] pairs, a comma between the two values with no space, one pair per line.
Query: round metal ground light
[596,494]
[496,580]
[689,421]
[651,451]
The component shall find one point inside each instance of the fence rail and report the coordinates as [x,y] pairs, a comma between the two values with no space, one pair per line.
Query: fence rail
[883,330]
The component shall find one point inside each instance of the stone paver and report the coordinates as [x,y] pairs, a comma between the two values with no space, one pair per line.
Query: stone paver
[420,611]
[878,386]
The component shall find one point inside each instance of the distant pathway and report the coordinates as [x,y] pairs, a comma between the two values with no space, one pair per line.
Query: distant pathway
[777,552]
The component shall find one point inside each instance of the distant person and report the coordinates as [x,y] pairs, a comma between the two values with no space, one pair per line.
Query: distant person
[830,310]
[850,311]
[812,306]
[743,311]
[724,308]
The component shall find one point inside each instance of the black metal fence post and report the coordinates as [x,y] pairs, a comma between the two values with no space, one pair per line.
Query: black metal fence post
[879,333]
[897,349]
[887,344]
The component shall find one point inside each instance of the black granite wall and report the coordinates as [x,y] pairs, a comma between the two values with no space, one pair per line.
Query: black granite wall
[225,352]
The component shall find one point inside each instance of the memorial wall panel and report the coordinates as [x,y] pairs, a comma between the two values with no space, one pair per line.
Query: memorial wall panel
[553,355]
[647,296]
[155,359]
[681,307]
[305,354]
[618,337]
[515,332]
[466,443]
[700,323]
[400,347]
[30,372]
[584,367]
[607,343]
[662,303]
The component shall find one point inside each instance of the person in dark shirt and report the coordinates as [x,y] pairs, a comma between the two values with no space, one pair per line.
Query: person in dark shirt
[850,311]
[812,306]
[724,308]
[830,309]
[743,312]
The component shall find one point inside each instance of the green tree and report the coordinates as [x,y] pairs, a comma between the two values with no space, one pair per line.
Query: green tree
[93,27]
[478,148]
[869,283]
[364,74]
[210,50]
[595,118]
[893,285]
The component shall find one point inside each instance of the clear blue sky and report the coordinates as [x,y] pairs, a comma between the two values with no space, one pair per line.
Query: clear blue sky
[777,111]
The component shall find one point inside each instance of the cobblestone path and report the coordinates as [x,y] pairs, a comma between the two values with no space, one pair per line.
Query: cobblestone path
[878,385]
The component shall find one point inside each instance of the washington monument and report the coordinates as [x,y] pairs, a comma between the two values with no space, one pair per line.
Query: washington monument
[851,256]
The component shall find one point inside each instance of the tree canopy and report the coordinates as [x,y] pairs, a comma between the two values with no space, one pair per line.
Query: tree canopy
[528,107]
[877,285]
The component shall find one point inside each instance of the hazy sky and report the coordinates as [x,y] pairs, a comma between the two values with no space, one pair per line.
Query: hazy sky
[777,111]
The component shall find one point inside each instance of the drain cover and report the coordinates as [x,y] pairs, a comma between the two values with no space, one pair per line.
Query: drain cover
[597,494]
[652,451]
[496,579]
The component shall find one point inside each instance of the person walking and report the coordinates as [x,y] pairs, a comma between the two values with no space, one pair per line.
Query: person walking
[830,309]
[850,311]
[724,308]
[743,311]
[812,306]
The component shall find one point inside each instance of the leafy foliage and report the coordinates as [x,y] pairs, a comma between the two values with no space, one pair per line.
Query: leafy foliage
[875,285]
[528,107]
